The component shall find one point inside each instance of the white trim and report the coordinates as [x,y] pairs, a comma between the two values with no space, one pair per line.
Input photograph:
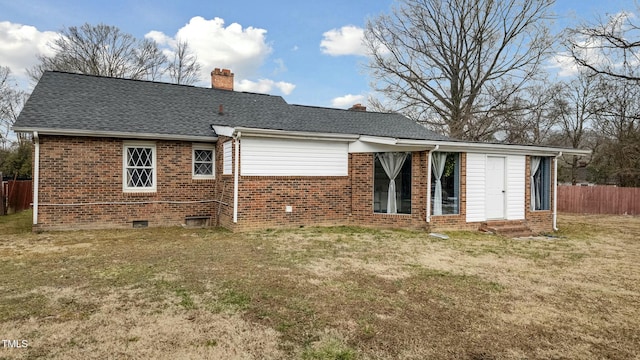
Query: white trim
[499,149]
[119,134]
[154,173]
[378,140]
[236,175]
[223,130]
[360,146]
[36,176]
[445,146]
[205,147]
[229,131]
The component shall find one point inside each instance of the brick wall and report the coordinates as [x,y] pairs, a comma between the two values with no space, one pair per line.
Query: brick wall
[361,167]
[82,171]
[262,201]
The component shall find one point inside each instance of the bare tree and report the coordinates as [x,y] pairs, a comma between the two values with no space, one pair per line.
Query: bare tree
[609,47]
[618,123]
[102,50]
[529,117]
[11,101]
[184,67]
[577,107]
[445,62]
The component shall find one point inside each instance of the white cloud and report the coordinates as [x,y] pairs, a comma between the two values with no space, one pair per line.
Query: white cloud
[243,50]
[19,45]
[563,63]
[347,101]
[281,67]
[348,40]
[264,86]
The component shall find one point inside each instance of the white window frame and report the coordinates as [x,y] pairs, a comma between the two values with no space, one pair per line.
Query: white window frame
[211,148]
[154,166]
[227,161]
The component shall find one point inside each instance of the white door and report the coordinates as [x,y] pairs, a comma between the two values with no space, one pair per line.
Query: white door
[495,186]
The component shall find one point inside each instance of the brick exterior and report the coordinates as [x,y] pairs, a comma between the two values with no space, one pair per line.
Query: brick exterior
[81,187]
[361,167]
[78,172]
[222,79]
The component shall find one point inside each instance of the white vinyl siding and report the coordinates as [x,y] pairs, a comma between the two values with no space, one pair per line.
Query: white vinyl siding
[476,165]
[293,157]
[515,187]
[227,163]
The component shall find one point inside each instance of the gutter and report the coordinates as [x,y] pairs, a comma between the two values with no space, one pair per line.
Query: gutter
[555,192]
[36,175]
[429,182]
[118,134]
[489,148]
[236,176]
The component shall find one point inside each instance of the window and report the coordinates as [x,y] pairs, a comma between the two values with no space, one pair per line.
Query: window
[445,183]
[139,167]
[392,183]
[540,183]
[227,167]
[203,162]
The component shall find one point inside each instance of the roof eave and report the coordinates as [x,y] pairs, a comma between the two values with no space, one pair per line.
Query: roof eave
[461,146]
[116,134]
[231,131]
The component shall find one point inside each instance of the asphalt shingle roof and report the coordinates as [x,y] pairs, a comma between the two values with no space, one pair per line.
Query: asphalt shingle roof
[65,101]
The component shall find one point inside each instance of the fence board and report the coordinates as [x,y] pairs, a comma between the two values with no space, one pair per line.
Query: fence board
[599,200]
[18,194]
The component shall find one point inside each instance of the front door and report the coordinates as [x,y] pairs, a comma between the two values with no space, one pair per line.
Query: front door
[495,187]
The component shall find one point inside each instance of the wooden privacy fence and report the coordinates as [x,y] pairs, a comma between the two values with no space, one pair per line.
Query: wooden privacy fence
[15,196]
[599,200]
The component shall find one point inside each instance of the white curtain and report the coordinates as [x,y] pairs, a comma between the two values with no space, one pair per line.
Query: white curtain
[535,194]
[392,164]
[438,160]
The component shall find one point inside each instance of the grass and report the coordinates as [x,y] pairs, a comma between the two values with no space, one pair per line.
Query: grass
[321,293]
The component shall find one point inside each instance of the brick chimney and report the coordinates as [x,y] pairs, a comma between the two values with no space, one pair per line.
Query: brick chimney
[358,107]
[222,79]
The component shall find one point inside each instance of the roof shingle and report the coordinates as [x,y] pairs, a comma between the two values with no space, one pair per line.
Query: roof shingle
[65,101]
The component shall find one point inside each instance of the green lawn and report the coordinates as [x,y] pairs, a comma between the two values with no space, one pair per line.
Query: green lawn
[321,293]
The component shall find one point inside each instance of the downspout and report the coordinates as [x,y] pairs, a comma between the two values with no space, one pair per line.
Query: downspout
[236,177]
[36,175]
[429,182]
[555,192]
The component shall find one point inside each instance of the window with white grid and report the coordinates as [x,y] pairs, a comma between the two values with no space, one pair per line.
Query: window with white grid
[203,162]
[139,167]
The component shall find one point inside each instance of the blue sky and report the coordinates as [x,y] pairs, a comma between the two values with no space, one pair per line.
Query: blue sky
[305,51]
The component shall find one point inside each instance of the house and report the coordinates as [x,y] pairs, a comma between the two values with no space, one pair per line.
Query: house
[114,152]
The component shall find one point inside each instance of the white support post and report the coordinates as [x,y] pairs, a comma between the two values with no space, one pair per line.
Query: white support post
[555,192]
[36,175]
